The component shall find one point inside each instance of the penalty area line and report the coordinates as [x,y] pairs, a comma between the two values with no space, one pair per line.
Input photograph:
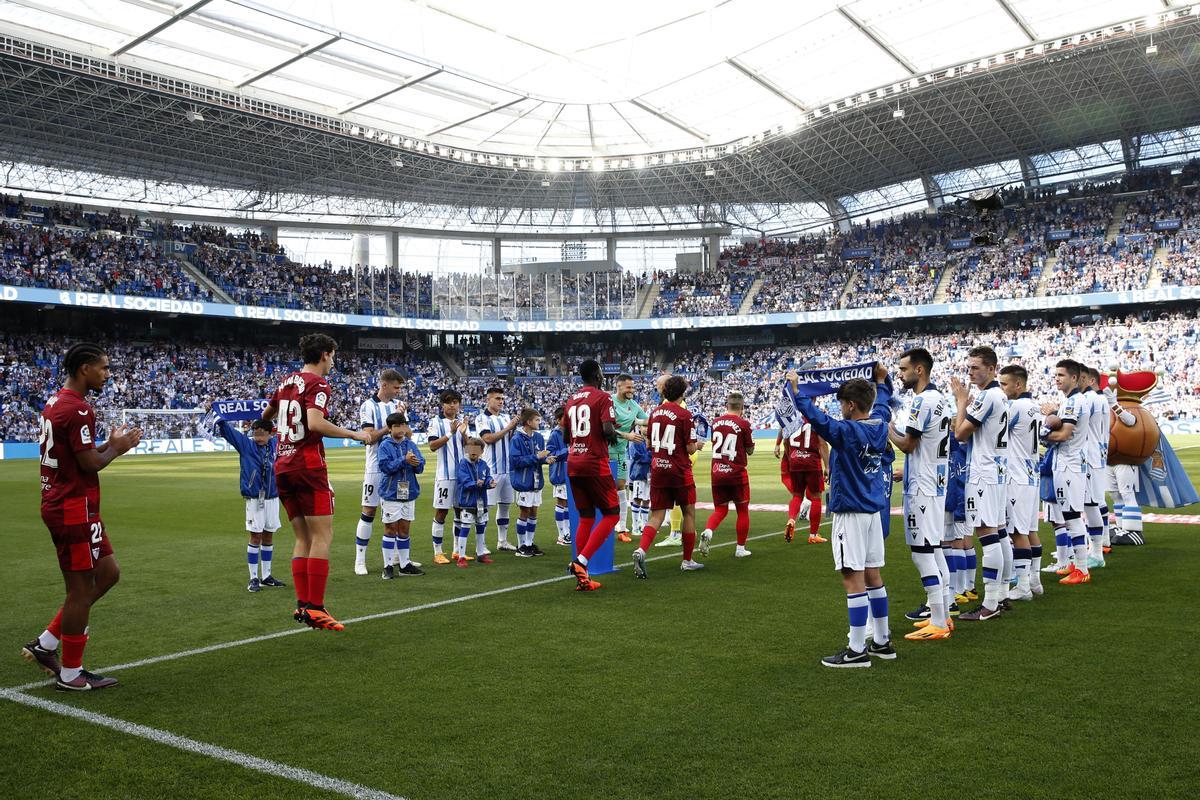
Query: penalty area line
[159,736]
[212,648]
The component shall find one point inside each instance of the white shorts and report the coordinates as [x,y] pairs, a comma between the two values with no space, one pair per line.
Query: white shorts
[502,492]
[1023,504]
[639,490]
[1126,479]
[951,530]
[560,492]
[1094,491]
[469,516]
[443,493]
[370,493]
[985,505]
[1069,489]
[924,520]
[396,510]
[529,499]
[262,516]
[857,541]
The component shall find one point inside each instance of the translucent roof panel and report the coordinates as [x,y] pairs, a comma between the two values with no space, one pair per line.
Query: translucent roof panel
[525,76]
[1169,147]
[1004,173]
[898,193]
[1102,158]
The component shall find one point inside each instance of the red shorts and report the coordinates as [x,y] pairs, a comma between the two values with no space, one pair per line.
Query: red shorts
[810,482]
[726,493]
[591,492]
[80,546]
[664,498]
[305,493]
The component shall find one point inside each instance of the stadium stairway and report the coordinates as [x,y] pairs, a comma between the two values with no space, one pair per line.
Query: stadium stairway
[451,363]
[1114,227]
[748,299]
[844,294]
[1154,279]
[647,305]
[199,277]
[943,285]
[1047,270]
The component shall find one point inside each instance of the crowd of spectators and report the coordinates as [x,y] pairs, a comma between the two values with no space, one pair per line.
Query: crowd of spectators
[68,258]
[1099,266]
[989,254]
[185,376]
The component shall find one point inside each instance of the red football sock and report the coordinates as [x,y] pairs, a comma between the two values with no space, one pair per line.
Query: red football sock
[794,506]
[598,537]
[689,544]
[55,626]
[647,537]
[300,579]
[814,515]
[583,532]
[318,574]
[72,650]
[716,518]
[743,523]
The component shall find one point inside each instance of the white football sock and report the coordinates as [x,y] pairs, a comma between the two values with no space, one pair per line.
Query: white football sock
[402,550]
[439,533]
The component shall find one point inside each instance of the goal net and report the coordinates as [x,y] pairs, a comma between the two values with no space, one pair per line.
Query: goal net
[164,423]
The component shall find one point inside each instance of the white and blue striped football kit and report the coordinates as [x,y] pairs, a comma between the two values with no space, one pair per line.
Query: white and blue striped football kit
[374,413]
[987,458]
[928,420]
[445,484]
[497,455]
[1024,478]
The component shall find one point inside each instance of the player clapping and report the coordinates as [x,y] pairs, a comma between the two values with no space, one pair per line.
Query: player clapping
[300,407]
[70,465]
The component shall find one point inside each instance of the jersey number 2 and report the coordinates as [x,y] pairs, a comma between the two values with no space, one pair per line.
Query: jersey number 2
[724,445]
[47,444]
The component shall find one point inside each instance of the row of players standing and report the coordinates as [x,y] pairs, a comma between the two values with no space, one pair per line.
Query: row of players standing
[1002,483]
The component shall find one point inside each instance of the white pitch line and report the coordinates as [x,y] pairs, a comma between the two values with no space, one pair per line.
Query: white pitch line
[212,648]
[159,736]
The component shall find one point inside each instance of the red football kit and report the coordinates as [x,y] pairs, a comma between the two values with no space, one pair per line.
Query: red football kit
[70,496]
[731,437]
[592,484]
[671,430]
[802,461]
[301,474]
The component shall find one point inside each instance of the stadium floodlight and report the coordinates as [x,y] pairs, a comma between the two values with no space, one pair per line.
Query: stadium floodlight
[1152,48]
[545,183]
[397,162]
[898,113]
[709,172]
[193,115]
[597,165]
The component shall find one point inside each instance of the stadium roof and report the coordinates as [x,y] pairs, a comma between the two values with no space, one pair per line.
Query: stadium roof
[656,105]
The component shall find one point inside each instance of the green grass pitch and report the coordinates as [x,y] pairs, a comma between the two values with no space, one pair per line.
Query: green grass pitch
[697,685]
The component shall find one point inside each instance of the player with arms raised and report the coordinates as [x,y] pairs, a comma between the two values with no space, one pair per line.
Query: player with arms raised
[590,426]
[71,462]
[733,443]
[300,407]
